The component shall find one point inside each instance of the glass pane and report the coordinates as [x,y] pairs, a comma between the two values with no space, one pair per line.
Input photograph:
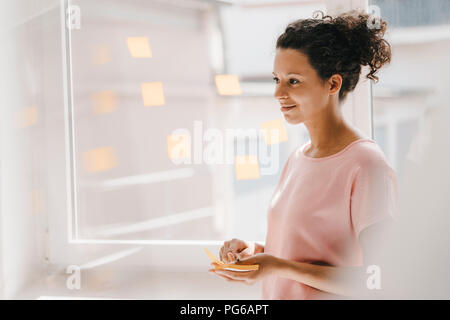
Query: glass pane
[155,83]
[419,34]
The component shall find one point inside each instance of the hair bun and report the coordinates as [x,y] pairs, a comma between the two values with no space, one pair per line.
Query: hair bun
[340,44]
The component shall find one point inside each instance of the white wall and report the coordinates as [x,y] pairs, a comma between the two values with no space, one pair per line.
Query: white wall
[22,166]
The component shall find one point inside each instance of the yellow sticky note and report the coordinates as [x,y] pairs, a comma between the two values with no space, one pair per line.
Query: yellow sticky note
[179,146]
[104,102]
[212,257]
[274,131]
[153,94]
[102,54]
[246,167]
[139,47]
[228,84]
[239,267]
[27,117]
[100,159]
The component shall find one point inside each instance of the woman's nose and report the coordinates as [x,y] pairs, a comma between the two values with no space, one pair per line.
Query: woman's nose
[280,94]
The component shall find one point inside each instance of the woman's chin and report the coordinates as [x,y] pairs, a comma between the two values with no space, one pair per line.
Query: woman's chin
[292,120]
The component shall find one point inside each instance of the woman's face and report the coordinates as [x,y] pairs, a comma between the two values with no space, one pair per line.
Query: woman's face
[297,83]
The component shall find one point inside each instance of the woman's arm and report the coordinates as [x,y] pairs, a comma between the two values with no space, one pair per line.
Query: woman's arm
[347,281]
[337,280]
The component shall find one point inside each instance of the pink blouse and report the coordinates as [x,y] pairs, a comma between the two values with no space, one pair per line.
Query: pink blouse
[320,206]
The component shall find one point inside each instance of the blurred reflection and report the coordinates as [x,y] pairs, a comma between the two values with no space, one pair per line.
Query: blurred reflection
[104,102]
[102,54]
[100,159]
[139,47]
[27,117]
[228,84]
[274,125]
[152,94]
[110,258]
[246,167]
[414,256]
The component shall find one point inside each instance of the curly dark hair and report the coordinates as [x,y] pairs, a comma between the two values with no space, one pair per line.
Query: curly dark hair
[340,45]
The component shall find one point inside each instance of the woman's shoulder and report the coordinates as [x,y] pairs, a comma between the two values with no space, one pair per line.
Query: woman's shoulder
[367,149]
[364,149]
[368,154]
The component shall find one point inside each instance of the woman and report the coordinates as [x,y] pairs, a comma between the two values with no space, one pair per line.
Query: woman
[335,186]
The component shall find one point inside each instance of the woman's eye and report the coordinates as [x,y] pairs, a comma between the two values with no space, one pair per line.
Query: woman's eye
[291,81]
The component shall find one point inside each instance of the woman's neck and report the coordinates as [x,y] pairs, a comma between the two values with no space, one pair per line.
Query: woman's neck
[327,130]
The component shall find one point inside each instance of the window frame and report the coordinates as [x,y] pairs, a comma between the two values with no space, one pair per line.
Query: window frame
[158,255]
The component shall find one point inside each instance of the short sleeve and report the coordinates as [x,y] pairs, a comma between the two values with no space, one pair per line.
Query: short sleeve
[374,194]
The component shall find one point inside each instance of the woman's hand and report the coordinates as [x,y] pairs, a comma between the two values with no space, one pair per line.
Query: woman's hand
[268,265]
[236,249]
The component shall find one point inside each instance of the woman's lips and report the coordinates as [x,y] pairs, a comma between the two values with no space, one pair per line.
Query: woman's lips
[287,108]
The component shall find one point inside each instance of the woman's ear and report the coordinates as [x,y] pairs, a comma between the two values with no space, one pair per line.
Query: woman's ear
[335,83]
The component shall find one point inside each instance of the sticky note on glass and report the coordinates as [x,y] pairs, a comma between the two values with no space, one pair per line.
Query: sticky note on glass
[232,267]
[104,102]
[139,47]
[274,131]
[227,84]
[27,117]
[100,159]
[179,146]
[153,94]
[246,167]
[102,54]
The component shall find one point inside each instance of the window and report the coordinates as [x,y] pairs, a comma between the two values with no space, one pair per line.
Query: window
[151,84]
[419,34]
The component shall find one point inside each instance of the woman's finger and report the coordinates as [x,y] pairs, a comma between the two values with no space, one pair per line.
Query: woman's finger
[227,278]
[230,256]
[248,260]
[236,275]
[225,249]
[221,254]
[231,249]
[237,246]
[247,252]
